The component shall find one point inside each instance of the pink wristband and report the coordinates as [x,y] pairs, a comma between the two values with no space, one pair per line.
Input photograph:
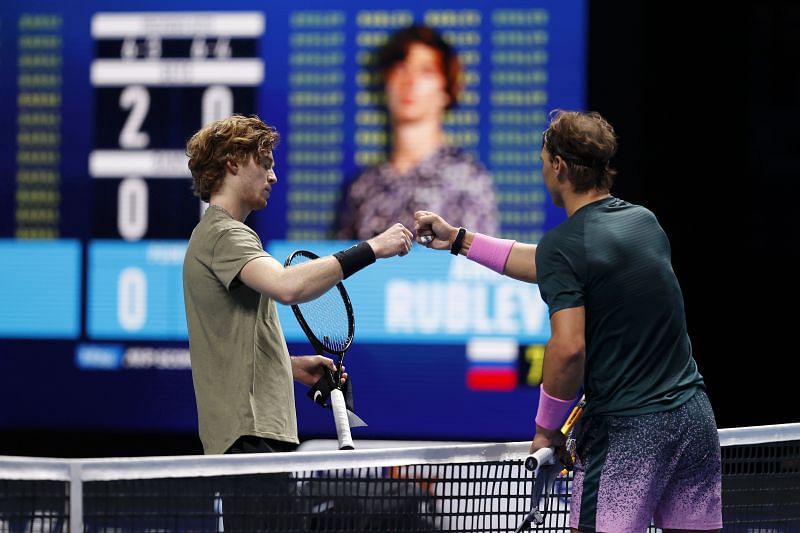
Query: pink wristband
[552,411]
[490,252]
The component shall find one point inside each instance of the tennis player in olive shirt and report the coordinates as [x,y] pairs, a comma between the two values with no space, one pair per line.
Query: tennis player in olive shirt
[241,368]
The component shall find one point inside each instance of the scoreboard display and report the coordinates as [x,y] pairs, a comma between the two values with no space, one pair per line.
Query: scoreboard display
[98,100]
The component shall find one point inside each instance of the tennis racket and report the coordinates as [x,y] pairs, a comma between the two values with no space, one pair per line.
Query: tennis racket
[546,467]
[329,324]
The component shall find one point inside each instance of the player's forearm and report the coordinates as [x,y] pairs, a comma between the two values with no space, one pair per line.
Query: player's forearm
[348,261]
[306,282]
[520,263]
[291,285]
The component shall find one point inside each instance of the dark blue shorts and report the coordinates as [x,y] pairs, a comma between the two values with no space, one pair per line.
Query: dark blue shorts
[663,467]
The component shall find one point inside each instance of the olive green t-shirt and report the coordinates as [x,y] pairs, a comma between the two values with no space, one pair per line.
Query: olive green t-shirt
[240,364]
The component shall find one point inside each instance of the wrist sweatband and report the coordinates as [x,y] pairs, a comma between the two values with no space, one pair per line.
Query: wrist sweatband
[490,252]
[552,411]
[355,258]
[458,242]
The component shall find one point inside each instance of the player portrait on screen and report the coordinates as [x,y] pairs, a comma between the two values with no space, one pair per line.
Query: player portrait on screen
[618,331]
[421,78]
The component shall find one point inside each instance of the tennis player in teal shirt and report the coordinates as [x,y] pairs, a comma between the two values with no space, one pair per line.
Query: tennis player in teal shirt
[647,444]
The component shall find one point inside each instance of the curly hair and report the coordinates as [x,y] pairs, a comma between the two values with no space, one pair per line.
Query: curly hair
[586,142]
[236,138]
[396,48]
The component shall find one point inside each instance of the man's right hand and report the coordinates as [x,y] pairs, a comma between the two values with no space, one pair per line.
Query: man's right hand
[427,223]
[394,241]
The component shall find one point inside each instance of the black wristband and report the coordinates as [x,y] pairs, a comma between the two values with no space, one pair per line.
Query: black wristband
[355,258]
[458,242]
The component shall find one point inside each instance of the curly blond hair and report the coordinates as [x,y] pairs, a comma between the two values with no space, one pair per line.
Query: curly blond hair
[236,138]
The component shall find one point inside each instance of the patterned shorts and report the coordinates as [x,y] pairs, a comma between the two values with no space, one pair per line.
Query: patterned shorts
[663,467]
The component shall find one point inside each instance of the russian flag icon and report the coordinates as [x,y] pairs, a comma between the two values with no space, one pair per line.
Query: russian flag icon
[492,364]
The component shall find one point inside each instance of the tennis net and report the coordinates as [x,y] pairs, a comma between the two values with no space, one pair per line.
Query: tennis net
[463,487]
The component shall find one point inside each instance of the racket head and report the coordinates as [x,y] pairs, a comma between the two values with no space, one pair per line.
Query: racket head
[328,320]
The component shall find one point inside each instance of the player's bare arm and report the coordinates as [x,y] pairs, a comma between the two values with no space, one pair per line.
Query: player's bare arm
[562,373]
[521,263]
[306,281]
[435,232]
[565,353]
[291,285]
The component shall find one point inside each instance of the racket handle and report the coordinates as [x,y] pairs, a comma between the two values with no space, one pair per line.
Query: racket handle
[340,418]
[574,416]
[546,456]
[539,458]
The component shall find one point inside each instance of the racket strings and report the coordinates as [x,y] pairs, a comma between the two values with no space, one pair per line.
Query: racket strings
[326,316]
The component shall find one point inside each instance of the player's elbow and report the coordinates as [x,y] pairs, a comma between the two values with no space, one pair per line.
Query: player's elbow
[288,294]
[282,288]
[570,352]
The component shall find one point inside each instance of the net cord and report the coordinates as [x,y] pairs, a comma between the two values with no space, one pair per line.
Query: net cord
[109,469]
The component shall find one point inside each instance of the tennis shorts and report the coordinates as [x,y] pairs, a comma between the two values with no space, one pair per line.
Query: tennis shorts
[660,466]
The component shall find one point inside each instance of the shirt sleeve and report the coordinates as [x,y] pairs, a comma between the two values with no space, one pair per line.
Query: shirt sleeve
[235,248]
[558,271]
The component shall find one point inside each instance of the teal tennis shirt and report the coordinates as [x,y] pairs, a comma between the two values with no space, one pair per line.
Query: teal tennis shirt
[613,258]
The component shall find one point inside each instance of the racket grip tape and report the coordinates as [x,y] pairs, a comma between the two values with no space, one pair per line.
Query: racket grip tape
[340,418]
[541,457]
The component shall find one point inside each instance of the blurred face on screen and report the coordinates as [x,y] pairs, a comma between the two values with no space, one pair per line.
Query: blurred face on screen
[416,86]
[256,179]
